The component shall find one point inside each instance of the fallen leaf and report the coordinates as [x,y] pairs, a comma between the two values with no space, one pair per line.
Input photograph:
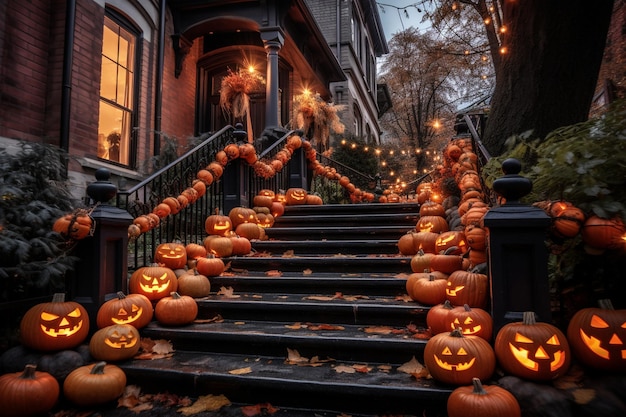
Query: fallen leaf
[379,329]
[162,347]
[315,327]
[319,298]
[241,371]
[288,254]
[384,368]
[307,271]
[228,292]
[344,369]
[362,368]
[253,410]
[293,357]
[205,403]
[295,326]
[141,407]
[355,297]
[273,273]
[404,297]
[217,319]
[414,367]
[130,396]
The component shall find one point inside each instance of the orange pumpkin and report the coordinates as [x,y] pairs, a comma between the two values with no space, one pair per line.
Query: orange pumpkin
[171,254]
[133,309]
[435,224]
[154,281]
[176,310]
[77,225]
[465,287]
[295,196]
[209,266]
[218,224]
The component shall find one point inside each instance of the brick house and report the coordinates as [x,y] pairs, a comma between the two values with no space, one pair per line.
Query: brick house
[106,80]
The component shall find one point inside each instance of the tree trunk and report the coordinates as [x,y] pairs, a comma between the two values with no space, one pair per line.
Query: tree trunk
[549,73]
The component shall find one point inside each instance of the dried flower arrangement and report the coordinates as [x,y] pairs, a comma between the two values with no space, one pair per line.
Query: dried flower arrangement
[317,117]
[235,91]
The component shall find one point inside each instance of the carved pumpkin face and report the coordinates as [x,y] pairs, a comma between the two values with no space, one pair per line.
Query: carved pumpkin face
[172,255]
[471,321]
[133,309]
[455,359]
[295,196]
[598,338]
[155,282]
[56,325]
[218,224]
[115,342]
[535,351]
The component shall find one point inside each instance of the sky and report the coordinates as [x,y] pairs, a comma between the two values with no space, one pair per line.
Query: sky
[394,17]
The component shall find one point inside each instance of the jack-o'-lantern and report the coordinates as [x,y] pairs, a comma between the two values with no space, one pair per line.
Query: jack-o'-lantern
[265,219]
[476,237]
[154,281]
[133,309]
[451,239]
[435,224]
[455,359]
[532,350]
[601,234]
[432,208]
[471,321]
[55,325]
[597,337]
[466,287]
[295,196]
[267,192]
[263,200]
[221,246]
[239,215]
[232,151]
[218,224]
[115,343]
[171,254]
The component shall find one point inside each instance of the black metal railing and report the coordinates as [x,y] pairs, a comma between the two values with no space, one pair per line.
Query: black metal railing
[187,225]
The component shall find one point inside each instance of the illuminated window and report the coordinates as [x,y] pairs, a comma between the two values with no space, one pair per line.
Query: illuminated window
[116,92]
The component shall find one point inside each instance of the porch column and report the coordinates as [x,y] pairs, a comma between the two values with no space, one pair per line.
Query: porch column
[273,40]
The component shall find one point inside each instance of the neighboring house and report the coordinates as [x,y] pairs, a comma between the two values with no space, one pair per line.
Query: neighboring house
[105,80]
[355,34]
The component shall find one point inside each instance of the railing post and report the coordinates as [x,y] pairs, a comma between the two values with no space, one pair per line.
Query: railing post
[236,184]
[518,256]
[102,268]
[298,170]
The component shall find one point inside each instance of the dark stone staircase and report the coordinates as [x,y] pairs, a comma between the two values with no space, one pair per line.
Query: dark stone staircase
[330,284]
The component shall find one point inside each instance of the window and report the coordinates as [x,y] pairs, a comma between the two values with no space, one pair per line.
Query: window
[117,86]
[356,35]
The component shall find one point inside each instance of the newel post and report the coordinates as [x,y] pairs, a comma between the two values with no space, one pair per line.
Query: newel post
[102,268]
[518,256]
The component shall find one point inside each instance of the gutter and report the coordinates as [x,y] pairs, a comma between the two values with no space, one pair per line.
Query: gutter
[66,92]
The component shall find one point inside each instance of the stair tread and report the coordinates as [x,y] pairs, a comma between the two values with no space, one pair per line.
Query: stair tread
[322,300]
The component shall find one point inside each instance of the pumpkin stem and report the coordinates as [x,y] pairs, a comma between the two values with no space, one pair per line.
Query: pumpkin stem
[478,387]
[529,318]
[606,304]
[457,332]
[175,295]
[121,295]
[447,304]
[98,368]
[29,371]
[467,307]
[58,297]
[450,250]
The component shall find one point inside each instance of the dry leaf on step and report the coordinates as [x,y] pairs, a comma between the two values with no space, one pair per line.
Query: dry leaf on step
[205,403]
[228,292]
[344,369]
[414,367]
[288,254]
[273,273]
[241,371]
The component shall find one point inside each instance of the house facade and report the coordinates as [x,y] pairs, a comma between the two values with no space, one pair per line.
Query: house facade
[107,80]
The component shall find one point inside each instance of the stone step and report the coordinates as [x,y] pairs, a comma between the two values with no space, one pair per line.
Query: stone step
[327,247]
[365,283]
[268,338]
[373,388]
[337,232]
[307,220]
[337,264]
[332,308]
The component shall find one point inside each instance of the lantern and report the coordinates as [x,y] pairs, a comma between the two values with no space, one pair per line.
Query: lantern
[465,287]
[153,281]
[133,309]
[531,350]
[597,337]
[115,342]
[56,325]
[455,359]
[173,255]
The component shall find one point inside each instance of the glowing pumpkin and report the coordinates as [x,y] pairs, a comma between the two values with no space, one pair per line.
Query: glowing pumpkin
[451,239]
[239,215]
[173,255]
[55,325]
[465,287]
[218,224]
[435,224]
[155,282]
[597,336]
[471,321]
[115,343]
[455,359]
[532,350]
[133,309]
[295,196]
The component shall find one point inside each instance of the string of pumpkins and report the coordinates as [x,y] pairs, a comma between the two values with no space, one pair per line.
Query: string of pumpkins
[461,351]
[245,151]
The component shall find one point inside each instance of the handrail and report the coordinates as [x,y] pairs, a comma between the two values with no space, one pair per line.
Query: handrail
[480,149]
[358,178]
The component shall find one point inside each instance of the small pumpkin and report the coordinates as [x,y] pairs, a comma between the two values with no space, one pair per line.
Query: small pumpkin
[239,215]
[451,239]
[471,321]
[116,342]
[28,393]
[195,251]
[567,219]
[532,350]
[77,225]
[599,233]
[482,400]
[453,358]
[133,309]
[153,281]
[295,196]
[241,245]
[218,224]
[421,261]
[55,325]
[437,317]
[436,224]
[467,287]
[220,246]
[194,284]
[94,384]
[428,288]
[176,310]
[432,208]
[209,266]
[597,337]
[171,254]
[249,230]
